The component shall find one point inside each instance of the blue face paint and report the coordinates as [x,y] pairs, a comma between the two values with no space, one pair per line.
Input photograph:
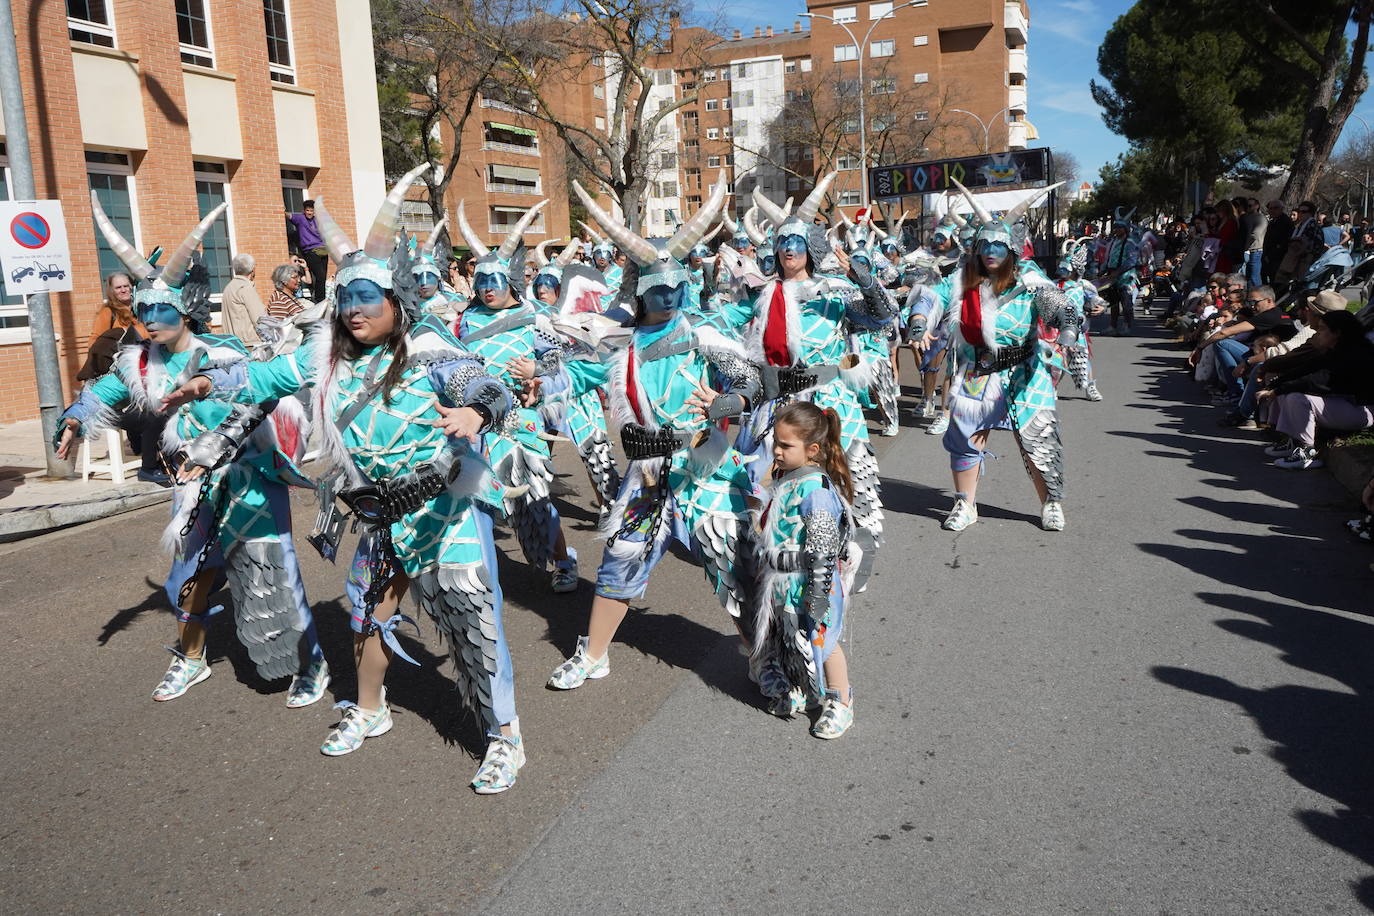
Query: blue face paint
[663,298]
[158,316]
[999,250]
[864,260]
[362,296]
[768,264]
[795,244]
[483,282]
[740,245]
[428,278]
[545,281]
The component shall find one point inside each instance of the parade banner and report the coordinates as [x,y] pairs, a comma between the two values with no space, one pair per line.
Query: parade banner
[996,170]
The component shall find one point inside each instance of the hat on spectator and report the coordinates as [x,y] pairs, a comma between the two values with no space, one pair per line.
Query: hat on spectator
[1323,301]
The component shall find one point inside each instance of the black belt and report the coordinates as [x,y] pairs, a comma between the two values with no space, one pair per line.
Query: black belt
[988,362]
[387,501]
[781,381]
[641,443]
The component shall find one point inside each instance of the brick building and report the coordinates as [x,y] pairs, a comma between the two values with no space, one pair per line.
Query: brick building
[167,109]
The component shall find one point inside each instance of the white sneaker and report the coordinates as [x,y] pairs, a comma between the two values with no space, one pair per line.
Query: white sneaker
[889,430]
[505,756]
[356,726]
[579,669]
[1281,449]
[964,513]
[183,674]
[308,686]
[1302,458]
[1092,393]
[1052,515]
[928,409]
[939,426]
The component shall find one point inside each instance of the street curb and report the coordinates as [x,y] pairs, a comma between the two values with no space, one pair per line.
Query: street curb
[1352,466]
[29,522]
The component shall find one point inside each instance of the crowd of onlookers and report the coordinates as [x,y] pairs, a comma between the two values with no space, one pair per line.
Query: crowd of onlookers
[1271,336]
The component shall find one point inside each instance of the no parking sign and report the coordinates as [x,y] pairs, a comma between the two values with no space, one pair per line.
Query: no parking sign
[33,247]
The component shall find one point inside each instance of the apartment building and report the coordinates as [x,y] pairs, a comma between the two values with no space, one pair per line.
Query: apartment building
[167,108]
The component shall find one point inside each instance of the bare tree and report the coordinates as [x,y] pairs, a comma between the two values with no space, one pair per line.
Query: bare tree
[551,57]
[429,83]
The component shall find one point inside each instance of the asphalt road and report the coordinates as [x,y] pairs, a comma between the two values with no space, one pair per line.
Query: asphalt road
[1163,709]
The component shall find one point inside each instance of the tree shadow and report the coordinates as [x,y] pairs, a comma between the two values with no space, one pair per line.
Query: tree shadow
[1321,735]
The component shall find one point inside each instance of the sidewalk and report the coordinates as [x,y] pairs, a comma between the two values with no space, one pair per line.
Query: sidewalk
[32,504]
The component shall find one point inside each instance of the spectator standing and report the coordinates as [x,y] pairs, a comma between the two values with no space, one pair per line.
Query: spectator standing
[1276,236]
[312,248]
[1304,245]
[462,283]
[240,307]
[286,282]
[1228,232]
[1252,232]
[117,311]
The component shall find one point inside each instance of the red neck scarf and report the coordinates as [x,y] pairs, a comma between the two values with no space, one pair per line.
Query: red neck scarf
[632,384]
[971,315]
[775,331]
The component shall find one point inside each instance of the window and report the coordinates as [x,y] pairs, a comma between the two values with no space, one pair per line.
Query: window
[847,89]
[724,104]
[598,91]
[921,78]
[882,122]
[742,99]
[922,116]
[293,190]
[790,67]
[798,95]
[740,128]
[849,126]
[91,21]
[806,65]
[667,160]
[846,52]
[212,189]
[846,14]
[708,76]
[883,85]
[111,178]
[598,60]
[846,163]
[713,104]
[667,189]
[662,77]
[512,179]
[741,71]
[694,201]
[510,137]
[504,219]
[713,133]
[600,123]
[879,10]
[278,41]
[193,31]
[884,47]
[920,41]
[849,198]
[713,162]
[690,123]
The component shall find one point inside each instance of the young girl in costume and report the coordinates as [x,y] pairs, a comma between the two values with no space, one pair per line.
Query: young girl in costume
[804,533]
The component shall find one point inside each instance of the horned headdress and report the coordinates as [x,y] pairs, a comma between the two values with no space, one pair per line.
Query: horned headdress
[156,284]
[507,261]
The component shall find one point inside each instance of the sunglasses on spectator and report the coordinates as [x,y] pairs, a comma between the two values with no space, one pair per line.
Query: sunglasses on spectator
[1256,301]
[1213,286]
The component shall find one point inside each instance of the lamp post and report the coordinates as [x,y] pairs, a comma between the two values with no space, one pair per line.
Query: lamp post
[986,125]
[861,49]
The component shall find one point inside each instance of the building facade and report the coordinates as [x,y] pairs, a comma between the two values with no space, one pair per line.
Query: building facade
[167,109]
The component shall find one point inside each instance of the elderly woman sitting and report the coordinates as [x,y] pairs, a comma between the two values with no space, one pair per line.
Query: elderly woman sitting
[1327,383]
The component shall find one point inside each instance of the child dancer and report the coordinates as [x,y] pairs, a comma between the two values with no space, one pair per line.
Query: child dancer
[804,534]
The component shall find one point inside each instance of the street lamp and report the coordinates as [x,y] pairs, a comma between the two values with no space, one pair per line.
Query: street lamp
[986,125]
[862,49]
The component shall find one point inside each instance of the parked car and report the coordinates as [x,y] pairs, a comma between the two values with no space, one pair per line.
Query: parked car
[20,273]
[52,272]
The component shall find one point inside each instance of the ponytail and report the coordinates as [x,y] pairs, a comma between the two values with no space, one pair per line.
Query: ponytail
[821,427]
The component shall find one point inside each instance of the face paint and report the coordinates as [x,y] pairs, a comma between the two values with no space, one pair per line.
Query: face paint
[998,250]
[158,316]
[544,281]
[362,296]
[484,281]
[768,264]
[863,260]
[663,298]
[793,244]
[740,245]
[601,261]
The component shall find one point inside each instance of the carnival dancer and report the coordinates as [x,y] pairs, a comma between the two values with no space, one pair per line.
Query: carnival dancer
[400,402]
[435,298]
[603,259]
[1120,277]
[674,386]
[1082,296]
[518,344]
[803,538]
[876,345]
[1001,378]
[925,331]
[798,326]
[236,525]
[568,289]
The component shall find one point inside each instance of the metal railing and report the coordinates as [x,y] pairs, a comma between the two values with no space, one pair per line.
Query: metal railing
[494,146]
[501,187]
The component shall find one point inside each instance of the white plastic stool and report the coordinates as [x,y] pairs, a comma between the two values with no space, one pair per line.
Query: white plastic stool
[114,463]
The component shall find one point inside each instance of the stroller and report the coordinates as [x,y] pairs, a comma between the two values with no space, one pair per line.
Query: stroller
[1330,271]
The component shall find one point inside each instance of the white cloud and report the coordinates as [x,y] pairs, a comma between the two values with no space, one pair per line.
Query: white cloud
[1082,7]
[1075,30]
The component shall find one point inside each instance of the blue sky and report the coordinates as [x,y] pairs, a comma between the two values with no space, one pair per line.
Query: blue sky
[1064,37]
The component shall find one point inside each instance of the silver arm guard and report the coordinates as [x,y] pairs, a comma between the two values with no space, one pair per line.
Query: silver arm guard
[1055,309]
[221,445]
[742,383]
[820,554]
[469,385]
[875,304]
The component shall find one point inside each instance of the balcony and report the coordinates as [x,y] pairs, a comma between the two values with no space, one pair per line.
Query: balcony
[1018,135]
[505,106]
[494,146]
[1016,25]
[505,187]
[501,230]
[1016,99]
[1017,64]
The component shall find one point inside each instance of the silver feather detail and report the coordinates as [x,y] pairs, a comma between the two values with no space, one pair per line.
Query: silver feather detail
[265,612]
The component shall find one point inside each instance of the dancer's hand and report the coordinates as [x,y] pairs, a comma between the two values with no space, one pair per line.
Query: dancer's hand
[463,422]
[522,368]
[701,399]
[194,390]
[190,472]
[531,393]
[69,437]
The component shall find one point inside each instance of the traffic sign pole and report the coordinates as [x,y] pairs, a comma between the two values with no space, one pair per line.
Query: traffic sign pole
[44,340]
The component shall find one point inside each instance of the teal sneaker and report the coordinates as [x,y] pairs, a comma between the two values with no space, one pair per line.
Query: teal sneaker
[579,669]
[308,686]
[505,756]
[183,674]
[356,726]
